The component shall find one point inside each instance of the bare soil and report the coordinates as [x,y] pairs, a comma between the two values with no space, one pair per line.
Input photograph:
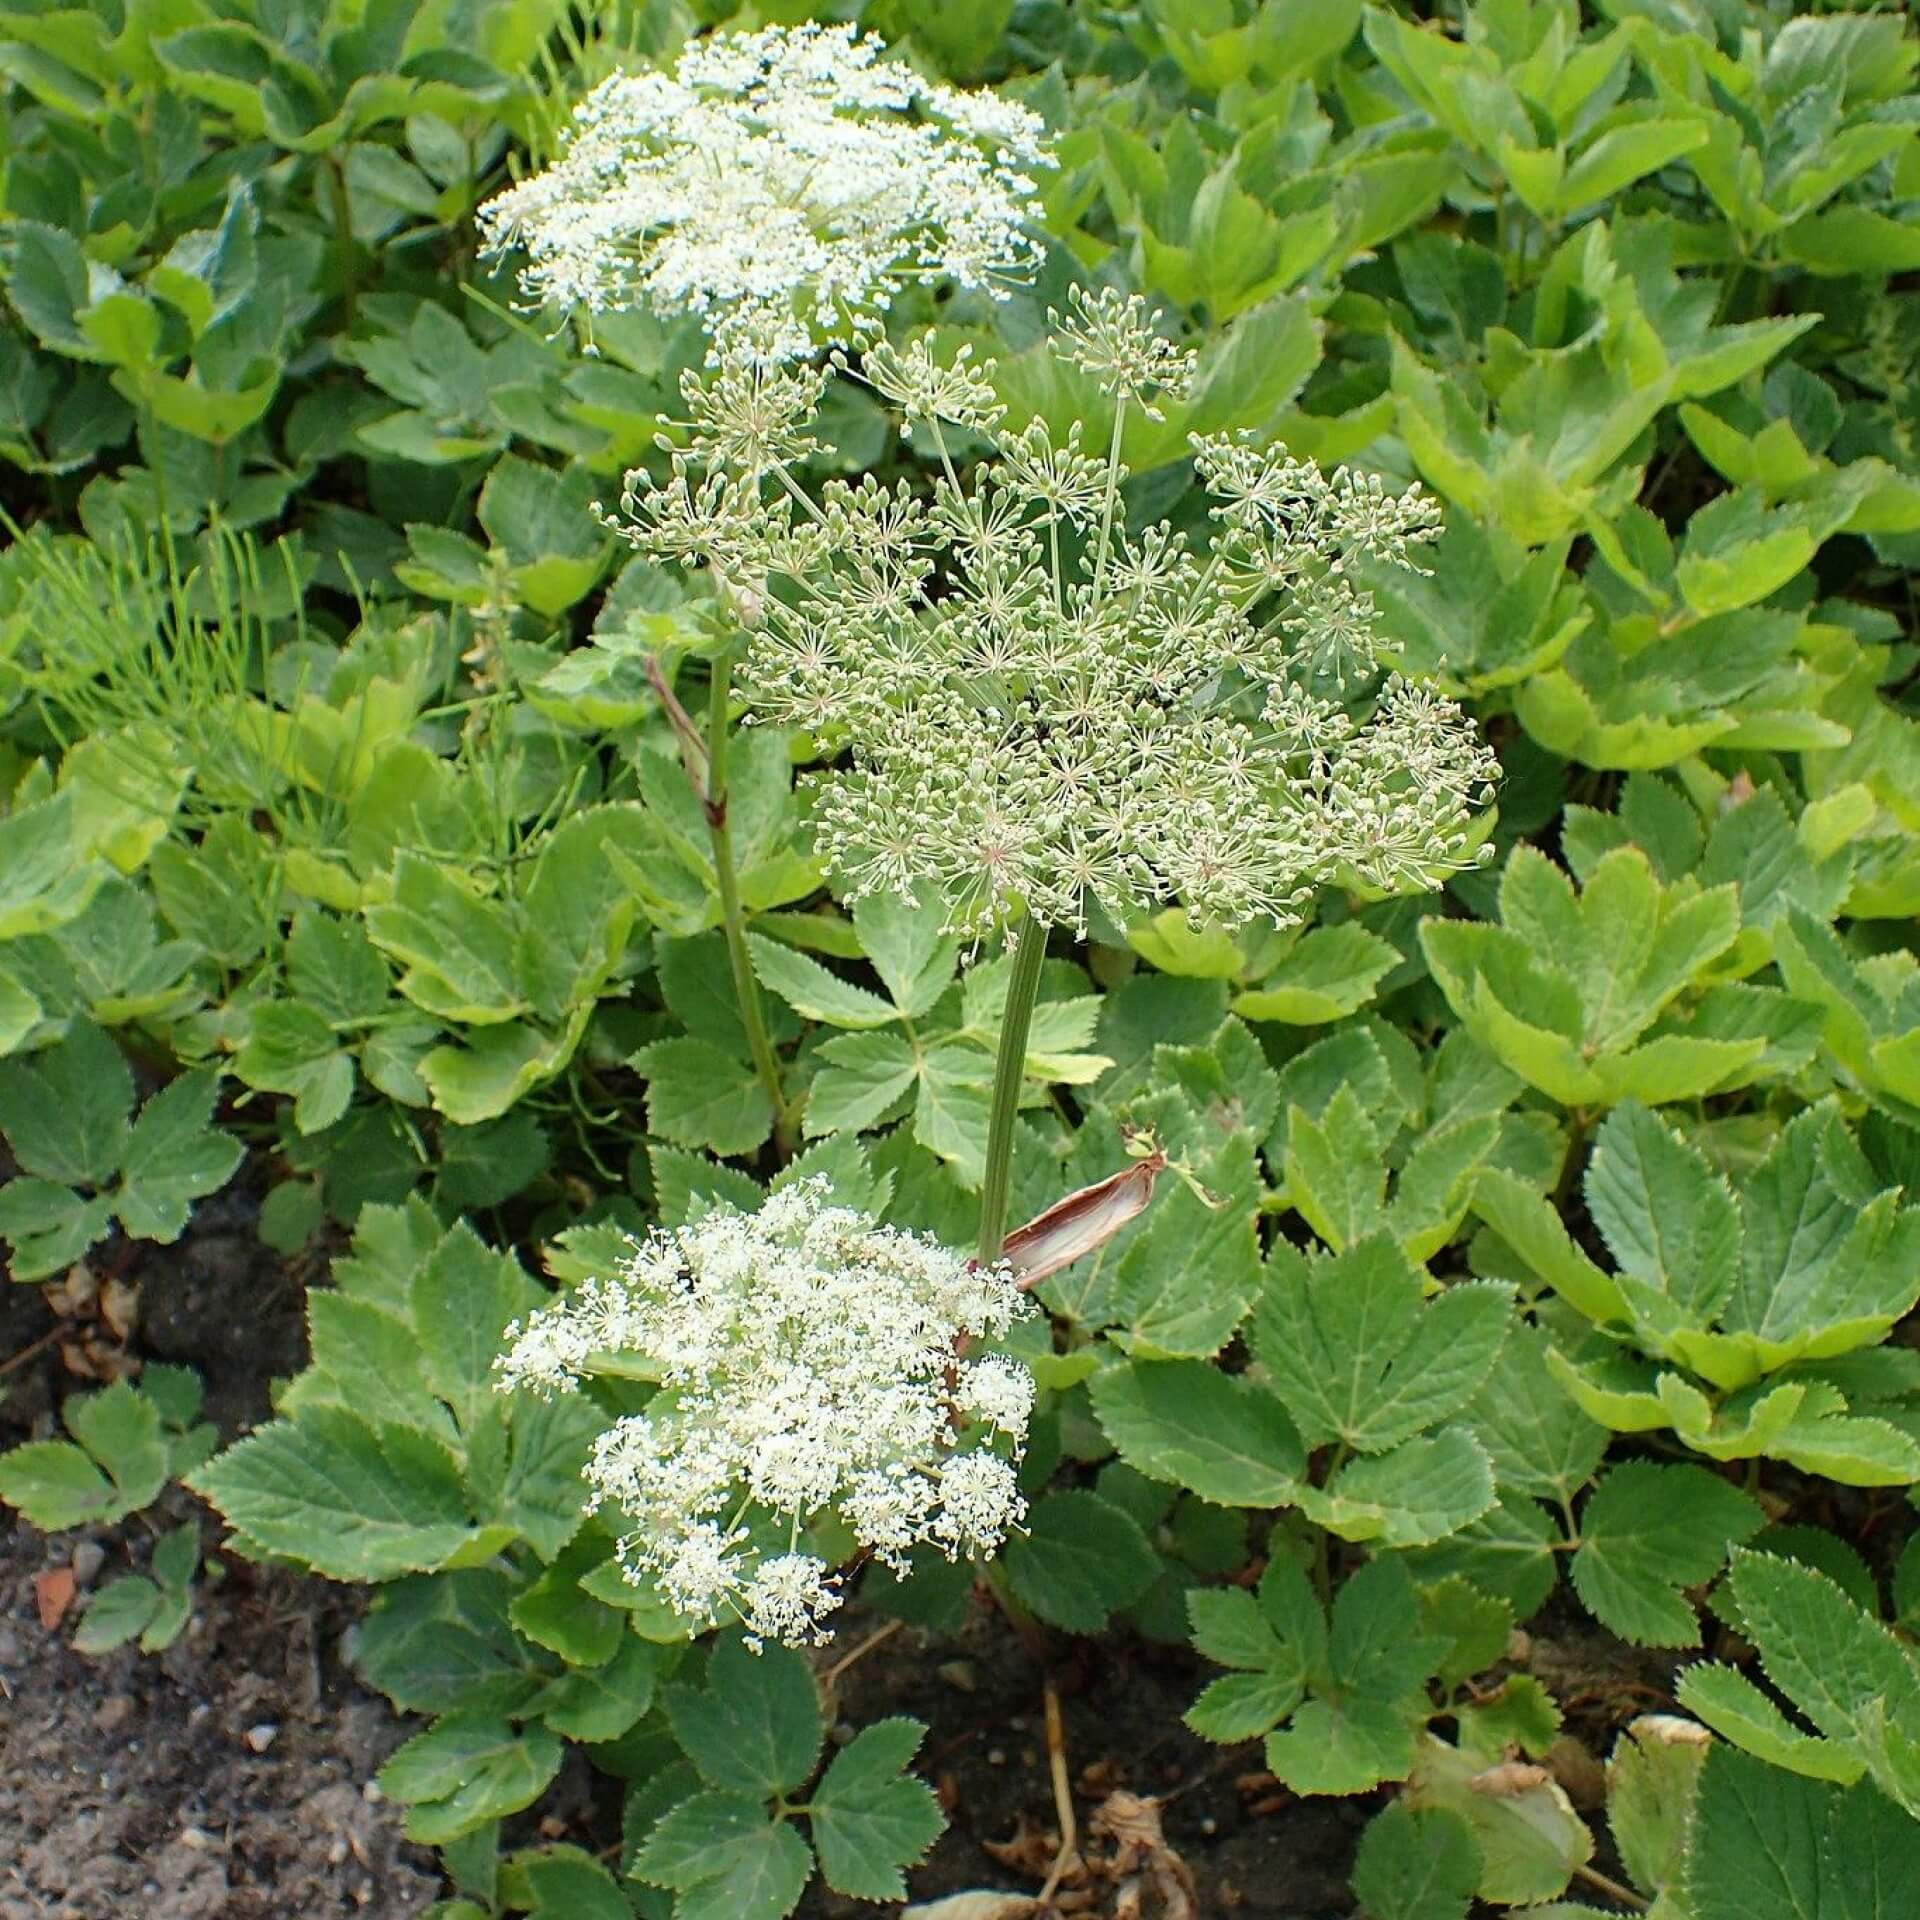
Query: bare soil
[229,1777]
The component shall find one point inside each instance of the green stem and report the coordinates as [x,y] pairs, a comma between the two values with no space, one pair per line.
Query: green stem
[1009,1069]
[746,988]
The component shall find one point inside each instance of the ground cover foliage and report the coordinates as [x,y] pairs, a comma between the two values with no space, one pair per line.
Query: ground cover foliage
[1539,1234]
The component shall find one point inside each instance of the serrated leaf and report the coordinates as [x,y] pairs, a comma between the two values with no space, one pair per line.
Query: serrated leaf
[1276,1640]
[64,1110]
[870,1819]
[1728,1702]
[1411,1496]
[699,1096]
[1078,1561]
[755,1726]
[1759,1836]
[1530,1839]
[1358,1728]
[1539,1440]
[173,1157]
[728,1859]
[1356,1352]
[1416,1863]
[461,1301]
[901,936]
[1668,1218]
[862,1077]
[467,1769]
[1647,1532]
[1330,973]
[351,1500]
[57,1486]
[1653,1775]
[457,946]
[1219,1436]
[812,990]
[1336,1178]
[1836,1663]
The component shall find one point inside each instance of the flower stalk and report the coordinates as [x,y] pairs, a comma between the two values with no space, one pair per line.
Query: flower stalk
[1009,1071]
[733,918]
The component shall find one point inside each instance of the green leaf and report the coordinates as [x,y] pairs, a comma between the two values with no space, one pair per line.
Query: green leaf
[49,1225]
[755,1726]
[1419,1492]
[1771,1843]
[457,946]
[1275,1639]
[1358,1728]
[1653,1775]
[64,1111]
[902,937]
[1215,1434]
[435,1642]
[869,1819]
[173,1158]
[814,992]
[728,1859]
[467,1769]
[563,1883]
[577,910]
[1667,1217]
[1416,1863]
[699,1096]
[351,1500]
[951,1113]
[1079,1561]
[603,1702]
[1647,1532]
[291,1049]
[1336,1177]
[1539,1440]
[1356,1353]
[1842,1668]
[1186,1280]
[1530,1839]
[57,1486]
[862,1077]
[1728,1702]
[119,1612]
[460,1303]
[1330,973]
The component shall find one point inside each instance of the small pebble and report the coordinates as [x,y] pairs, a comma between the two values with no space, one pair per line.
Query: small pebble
[261,1737]
[996,1756]
[198,1839]
[86,1560]
[959,1675]
[111,1712]
[840,1734]
[1209,1826]
[371,1793]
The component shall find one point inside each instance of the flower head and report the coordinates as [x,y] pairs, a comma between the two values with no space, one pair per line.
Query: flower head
[1048,712]
[778,184]
[807,1362]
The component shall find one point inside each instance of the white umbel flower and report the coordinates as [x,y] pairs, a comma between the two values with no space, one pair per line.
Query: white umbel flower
[810,1364]
[778,184]
[1045,711]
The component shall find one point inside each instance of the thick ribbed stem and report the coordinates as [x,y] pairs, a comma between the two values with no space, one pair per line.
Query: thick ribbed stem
[746,988]
[1009,1069]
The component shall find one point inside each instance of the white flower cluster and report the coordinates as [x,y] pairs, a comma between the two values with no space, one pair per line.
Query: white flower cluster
[1044,709]
[780,185]
[808,1366]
